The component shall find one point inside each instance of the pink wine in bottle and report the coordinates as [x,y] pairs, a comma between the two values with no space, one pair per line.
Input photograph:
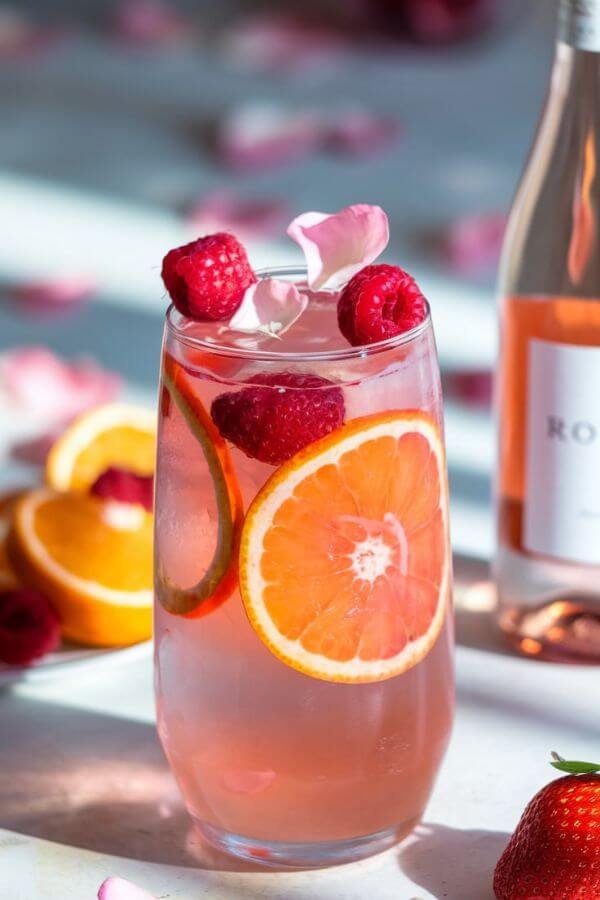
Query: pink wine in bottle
[547,566]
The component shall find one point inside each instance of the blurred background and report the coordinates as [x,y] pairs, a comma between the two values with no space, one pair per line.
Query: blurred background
[131,126]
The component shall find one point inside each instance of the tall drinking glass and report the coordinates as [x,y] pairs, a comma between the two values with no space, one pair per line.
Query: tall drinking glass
[303,635]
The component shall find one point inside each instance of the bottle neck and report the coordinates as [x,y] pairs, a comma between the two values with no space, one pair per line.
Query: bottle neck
[579,24]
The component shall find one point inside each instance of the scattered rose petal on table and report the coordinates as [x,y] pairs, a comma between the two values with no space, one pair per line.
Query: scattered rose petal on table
[281,43]
[35,452]
[358,132]
[472,244]
[256,136]
[60,295]
[34,379]
[269,307]
[438,21]
[247,217]
[121,889]
[337,245]
[21,38]
[471,387]
[150,23]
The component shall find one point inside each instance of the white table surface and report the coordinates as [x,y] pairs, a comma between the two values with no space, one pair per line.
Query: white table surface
[90,180]
[85,791]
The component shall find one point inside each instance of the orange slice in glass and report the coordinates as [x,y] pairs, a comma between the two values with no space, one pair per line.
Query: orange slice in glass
[117,434]
[92,558]
[220,578]
[344,560]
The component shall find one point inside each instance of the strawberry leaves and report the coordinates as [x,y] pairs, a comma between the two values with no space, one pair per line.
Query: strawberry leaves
[573,767]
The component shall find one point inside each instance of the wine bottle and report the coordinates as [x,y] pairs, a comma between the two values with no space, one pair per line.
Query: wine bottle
[547,565]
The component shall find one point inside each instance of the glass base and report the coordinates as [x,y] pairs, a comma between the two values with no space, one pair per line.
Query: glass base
[315,855]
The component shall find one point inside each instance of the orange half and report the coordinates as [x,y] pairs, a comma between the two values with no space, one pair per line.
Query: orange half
[92,558]
[344,560]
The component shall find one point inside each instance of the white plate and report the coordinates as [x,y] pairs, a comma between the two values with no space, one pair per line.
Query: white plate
[68,658]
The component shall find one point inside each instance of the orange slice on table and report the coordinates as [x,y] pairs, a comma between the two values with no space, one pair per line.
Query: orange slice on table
[116,434]
[220,579]
[344,560]
[92,558]
[8,576]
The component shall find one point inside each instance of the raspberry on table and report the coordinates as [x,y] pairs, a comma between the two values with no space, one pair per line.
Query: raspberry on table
[279,414]
[125,487]
[29,627]
[207,278]
[379,302]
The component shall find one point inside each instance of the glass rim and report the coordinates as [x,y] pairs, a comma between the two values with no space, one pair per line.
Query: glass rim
[258,354]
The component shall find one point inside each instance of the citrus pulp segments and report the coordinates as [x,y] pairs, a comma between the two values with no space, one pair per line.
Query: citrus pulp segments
[91,611]
[220,579]
[281,490]
[116,434]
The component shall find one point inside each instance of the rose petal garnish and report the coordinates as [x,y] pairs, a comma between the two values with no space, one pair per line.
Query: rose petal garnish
[121,889]
[61,295]
[280,43]
[358,132]
[248,218]
[269,307]
[35,380]
[149,23]
[260,135]
[472,244]
[336,246]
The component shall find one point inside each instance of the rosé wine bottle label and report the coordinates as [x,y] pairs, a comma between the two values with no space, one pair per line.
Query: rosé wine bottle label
[579,24]
[562,493]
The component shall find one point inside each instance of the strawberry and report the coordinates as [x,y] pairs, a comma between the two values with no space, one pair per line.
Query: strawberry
[554,853]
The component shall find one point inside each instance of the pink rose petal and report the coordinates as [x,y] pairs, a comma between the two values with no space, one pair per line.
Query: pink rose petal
[35,451]
[471,387]
[281,43]
[149,23]
[338,245]
[270,306]
[439,21]
[473,243]
[261,135]
[21,38]
[121,889]
[62,295]
[357,132]
[34,380]
[248,218]
[244,781]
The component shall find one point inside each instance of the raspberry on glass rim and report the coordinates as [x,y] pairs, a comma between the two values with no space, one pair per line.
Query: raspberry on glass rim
[206,279]
[380,302]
